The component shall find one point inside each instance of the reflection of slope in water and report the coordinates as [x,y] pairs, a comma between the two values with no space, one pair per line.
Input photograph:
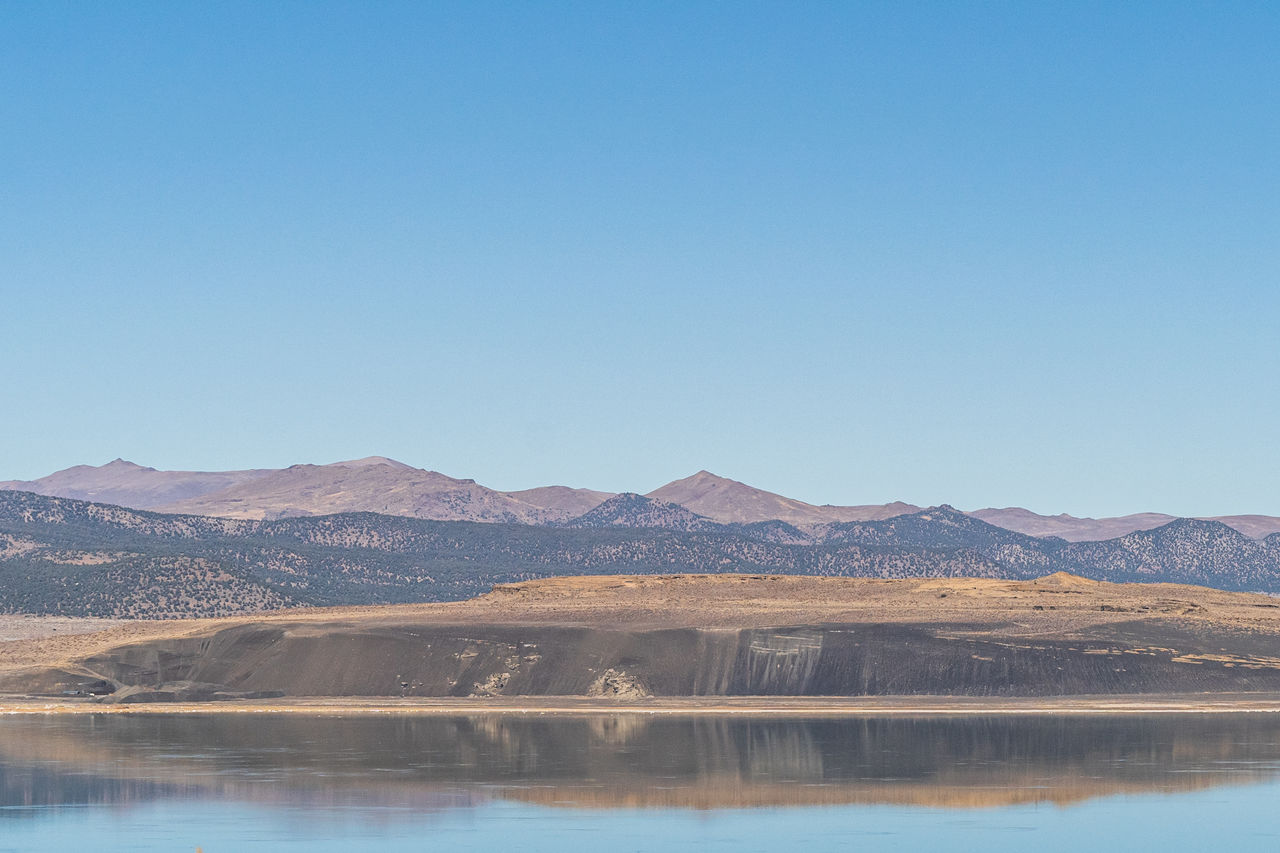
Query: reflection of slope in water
[28,791]
[625,761]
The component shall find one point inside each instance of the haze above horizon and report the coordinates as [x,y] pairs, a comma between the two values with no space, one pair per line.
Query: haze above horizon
[971,254]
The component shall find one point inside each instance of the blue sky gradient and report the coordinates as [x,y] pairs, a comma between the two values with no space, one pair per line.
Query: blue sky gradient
[975,253]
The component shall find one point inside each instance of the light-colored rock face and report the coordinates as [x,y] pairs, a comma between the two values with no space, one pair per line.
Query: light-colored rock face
[729,501]
[126,484]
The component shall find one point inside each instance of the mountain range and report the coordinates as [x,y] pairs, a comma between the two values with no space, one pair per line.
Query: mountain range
[382,485]
[76,558]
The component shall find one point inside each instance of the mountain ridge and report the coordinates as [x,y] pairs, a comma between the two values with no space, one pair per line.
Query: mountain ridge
[128,484]
[729,501]
[68,557]
[385,485]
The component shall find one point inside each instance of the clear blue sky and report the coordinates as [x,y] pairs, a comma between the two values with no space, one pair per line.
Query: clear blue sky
[976,253]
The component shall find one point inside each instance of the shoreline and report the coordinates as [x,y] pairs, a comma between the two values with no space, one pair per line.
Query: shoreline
[717,706]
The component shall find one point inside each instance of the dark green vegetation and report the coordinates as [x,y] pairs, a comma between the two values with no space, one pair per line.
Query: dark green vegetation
[69,557]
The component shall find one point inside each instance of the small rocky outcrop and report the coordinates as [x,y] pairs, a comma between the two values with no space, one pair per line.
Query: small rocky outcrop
[617,684]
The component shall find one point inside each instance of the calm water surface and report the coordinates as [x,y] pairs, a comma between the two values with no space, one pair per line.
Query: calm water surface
[624,783]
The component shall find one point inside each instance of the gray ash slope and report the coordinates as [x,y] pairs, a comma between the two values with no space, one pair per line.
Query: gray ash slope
[70,557]
[532,660]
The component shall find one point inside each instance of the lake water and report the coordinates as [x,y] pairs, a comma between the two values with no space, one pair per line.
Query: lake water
[629,783]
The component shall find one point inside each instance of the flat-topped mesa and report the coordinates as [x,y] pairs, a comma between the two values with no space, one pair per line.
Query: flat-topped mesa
[712,635]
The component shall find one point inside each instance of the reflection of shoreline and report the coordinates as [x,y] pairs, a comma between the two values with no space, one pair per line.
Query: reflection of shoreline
[627,761]
[776,796]
[710,706]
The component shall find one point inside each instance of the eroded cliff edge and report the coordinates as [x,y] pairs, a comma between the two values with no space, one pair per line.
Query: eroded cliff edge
[633,637]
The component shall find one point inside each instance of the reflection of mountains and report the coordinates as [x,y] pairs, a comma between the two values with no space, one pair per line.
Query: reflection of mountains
[626,761]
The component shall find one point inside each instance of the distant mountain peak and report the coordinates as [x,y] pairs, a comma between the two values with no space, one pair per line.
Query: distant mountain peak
[1196,527]
[124,483]
[732,502]
[943,512]
[121,464]
[632,510]
[369,461]
[704,479]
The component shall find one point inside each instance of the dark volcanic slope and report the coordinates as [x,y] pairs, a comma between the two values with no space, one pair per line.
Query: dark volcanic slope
[826,660]
[706,636]
[76,558]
